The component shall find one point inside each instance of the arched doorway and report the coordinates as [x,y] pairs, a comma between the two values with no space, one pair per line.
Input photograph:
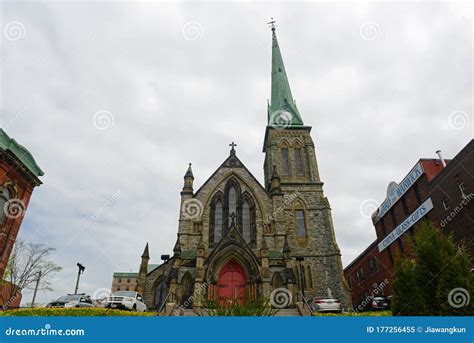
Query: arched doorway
[160,293]
[232,283]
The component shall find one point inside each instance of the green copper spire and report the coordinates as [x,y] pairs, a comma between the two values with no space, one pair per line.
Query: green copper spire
[282,110]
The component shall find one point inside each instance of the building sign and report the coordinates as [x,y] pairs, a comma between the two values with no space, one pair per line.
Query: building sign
[411,220]
[395,191]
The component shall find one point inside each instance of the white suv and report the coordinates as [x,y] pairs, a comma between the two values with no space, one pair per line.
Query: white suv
[126,300]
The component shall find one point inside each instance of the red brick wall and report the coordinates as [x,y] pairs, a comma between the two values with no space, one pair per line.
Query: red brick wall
[10,226]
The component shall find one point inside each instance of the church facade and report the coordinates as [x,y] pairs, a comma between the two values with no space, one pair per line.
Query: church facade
[238,239]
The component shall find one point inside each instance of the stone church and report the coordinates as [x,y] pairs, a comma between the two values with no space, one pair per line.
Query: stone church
[239,239]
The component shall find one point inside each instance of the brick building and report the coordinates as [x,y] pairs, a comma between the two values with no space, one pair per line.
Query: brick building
[128,281]
[123,281]
[437,190]
[19,175]
[238,238]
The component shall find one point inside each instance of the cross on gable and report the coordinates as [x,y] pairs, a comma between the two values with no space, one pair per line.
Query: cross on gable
[232,145]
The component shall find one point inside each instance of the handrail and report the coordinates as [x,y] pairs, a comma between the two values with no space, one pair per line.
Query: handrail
[164,301]
[305,301]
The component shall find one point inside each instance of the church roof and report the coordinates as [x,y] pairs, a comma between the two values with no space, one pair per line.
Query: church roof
[20,152]
[230,162]
[282,101]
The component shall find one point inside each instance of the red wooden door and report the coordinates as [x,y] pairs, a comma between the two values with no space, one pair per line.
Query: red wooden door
[232,283]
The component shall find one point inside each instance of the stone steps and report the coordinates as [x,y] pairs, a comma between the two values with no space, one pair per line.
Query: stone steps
[288,312]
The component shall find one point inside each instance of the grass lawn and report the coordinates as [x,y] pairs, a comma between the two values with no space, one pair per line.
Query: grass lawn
[355,314]
[72,312]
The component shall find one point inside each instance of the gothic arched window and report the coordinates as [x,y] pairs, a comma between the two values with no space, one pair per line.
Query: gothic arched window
[285,161]
[216,218]
[4,197]
[218,221]
[161,291]
[246,221]
[232,204]
[300,223]
[299,161]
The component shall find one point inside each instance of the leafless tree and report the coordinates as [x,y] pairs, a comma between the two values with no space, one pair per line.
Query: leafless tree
[27,262]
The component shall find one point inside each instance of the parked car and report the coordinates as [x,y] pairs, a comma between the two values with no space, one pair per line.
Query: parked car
[378,304]
[126,300]
[326,305]
[72,300]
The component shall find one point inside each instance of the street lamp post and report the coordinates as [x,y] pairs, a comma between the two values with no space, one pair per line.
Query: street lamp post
[80,271]
[36,289]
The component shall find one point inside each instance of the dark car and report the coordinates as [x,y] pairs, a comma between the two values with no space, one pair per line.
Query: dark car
[72,300]
[378,304]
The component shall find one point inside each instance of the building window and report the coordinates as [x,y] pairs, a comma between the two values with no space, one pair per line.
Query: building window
[4,197]
[360,274]
[127,289]
[120,280]
[285,161]
[373,265]
[218,222]
[300,224]
[246,221]
[128,280]
[349,282]
[232,205]
[118,288]
[445,204]
[299,162]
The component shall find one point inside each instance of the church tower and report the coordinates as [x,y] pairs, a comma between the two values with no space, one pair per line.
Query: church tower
[307,222]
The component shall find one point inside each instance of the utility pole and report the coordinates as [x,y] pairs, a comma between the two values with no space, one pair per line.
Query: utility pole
[80,271]
[36,289]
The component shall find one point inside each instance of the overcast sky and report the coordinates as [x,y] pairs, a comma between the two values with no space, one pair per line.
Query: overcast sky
[114,100]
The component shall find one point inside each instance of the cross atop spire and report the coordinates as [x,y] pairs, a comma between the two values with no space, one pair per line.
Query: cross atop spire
[232,145]
[271,24]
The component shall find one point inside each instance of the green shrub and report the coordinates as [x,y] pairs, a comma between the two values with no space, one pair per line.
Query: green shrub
[423,282]
[253,307]
[72,312]
[354,314]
